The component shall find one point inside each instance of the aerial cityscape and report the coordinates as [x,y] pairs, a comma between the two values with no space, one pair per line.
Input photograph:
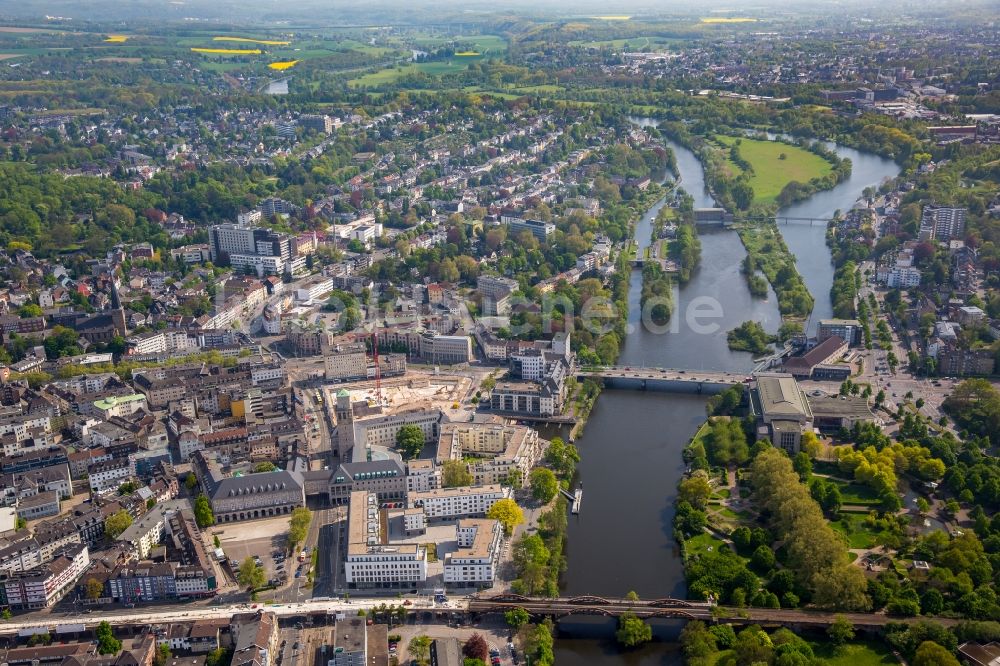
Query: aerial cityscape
[498,334]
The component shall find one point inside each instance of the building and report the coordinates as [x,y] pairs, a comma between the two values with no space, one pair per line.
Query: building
[43,586]
[495,287]
[849,330]
[384,478]
[527,399]
[150,528]
[942,223]
[306,339]
[537,228]
[371,561]
[474,564]
[254,638]
[257,248]
[317,123]
[351,363]
[827,352]
[957,362]
[120,405]
[446,349]
[781,409]
[833,412]
[452,503]
[978,654]
[362,433]
[492,451]
[248,497]
[106,476]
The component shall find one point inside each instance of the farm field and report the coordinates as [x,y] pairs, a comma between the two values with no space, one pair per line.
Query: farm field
[770,172]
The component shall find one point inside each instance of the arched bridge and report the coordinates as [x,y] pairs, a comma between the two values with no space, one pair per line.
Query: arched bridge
[592,605]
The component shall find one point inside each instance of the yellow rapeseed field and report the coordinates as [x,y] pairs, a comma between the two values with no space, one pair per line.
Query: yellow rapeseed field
[288,64]
[116,39]
[266,42]
[611,18]
[228,51]
[723,19]
[467,53]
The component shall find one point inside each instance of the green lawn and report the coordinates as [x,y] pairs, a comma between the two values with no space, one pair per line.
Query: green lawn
[700,544]
[858,534]
[855,493]
[770,172]
[859,653]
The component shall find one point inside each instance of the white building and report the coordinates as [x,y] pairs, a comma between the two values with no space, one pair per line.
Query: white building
[109,475]
[45,585]
[371,561]
[474,564]
[452,503]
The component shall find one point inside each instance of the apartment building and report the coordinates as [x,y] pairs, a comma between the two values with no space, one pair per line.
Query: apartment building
[44,585]
[373,562]
[108,475]
[942,223]
[452,503]
[849,330]
[474,564]
[492,451]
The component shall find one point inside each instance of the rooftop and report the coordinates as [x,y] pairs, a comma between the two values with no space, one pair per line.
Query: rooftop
[780,396]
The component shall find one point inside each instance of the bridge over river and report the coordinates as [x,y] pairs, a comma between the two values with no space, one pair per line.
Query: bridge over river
[677,609]
[663,379]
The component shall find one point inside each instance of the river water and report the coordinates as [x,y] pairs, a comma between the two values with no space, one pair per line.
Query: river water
[631,448]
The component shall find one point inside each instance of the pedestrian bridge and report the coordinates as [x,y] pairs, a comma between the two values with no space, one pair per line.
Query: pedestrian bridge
[663,379]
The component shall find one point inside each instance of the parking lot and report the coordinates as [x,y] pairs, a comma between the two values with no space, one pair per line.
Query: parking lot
[264,539]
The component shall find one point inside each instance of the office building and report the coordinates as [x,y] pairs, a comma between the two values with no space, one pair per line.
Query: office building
[452,503]
[537,228]
[849,330]
[371,561]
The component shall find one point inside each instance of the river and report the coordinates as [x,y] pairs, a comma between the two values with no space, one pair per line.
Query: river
[631,447]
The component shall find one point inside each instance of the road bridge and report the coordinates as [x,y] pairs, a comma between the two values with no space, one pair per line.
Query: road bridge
[663,379]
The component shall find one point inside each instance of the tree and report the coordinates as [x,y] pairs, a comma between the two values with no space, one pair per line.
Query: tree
[298,526]
[250,575]
[203,512]
[266,466]
[931,654]
[218,657]
[106,641]
[516,618]
[508,513]
[456,474]
[476,648]
[695,490]
[127,488]
[190,481]
[420,649]
[753,646]
[632,595]
[162,656]
[840,631]
[544,485]
[410,441]
[632,630]
[93,589]
[697,641]
[117,523]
